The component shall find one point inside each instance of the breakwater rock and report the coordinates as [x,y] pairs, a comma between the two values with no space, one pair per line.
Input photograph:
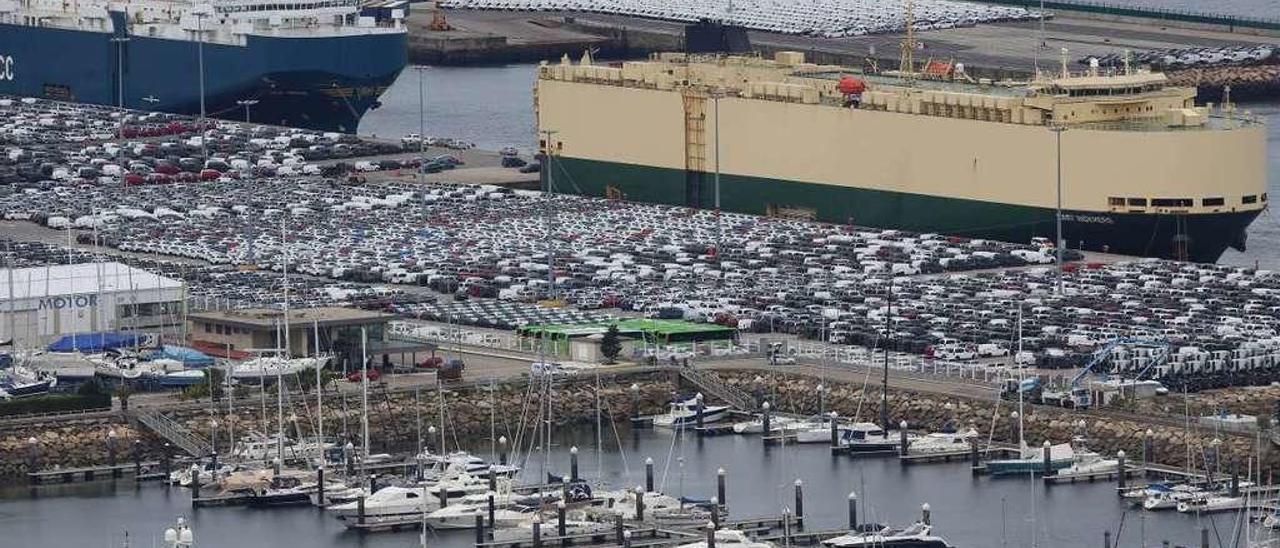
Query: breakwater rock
[470,413]
[1107,432]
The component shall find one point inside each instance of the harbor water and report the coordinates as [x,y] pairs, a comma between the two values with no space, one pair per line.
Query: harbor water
[492,107]
[971,512]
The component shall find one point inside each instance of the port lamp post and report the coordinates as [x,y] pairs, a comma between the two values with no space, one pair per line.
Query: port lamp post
[247,104]
[422,119]
[1058,244]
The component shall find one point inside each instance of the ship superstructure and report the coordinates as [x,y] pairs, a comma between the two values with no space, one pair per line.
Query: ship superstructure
[308,63]
[1144,170]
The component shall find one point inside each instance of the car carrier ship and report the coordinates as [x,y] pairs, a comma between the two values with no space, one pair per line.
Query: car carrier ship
[316,64]
[1133,164]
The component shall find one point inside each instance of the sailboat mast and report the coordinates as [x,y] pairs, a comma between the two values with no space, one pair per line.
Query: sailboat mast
[315,324]
[884,385]
[364,387]
[284,244]
[440,401]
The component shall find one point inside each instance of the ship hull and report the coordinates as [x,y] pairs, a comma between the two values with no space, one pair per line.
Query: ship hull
[1206,236]
[324,83]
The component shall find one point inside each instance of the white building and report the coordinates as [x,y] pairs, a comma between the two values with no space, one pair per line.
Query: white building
[40,304]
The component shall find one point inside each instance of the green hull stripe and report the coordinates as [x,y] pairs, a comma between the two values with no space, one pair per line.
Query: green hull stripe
[828,203]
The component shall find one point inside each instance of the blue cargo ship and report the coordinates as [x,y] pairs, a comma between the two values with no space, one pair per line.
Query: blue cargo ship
[315,64]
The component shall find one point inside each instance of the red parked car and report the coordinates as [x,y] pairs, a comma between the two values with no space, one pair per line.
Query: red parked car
[354,376]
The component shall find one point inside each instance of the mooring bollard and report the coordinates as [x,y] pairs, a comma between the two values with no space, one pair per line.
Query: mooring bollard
[1121,471]
[195,484]
[33,454]
[502,450]
[561,527]
[926,515]
[835,430]
[711,535]
[648,474]
[722,488]
[493,509]
[1147,450]
[1235,478]
[764,408]
[349,453]
[853,511]
[635,403]
[1048,458]
[697,409]
[799,503]
[137,461]
[902,438]
[320,486]
[573,463]
[639,504]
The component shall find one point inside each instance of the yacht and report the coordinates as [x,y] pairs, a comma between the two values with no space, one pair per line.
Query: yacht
[660,509]
[1205,503]
[685,413]
[391,503]
[270,364]
[463,515]
[1170,498]
[917,535]
[868,438]
[730,538]
[942,443]
[572,527]
[756,425]
[1032,461]
[817,430]
[19,381]
[1089,462]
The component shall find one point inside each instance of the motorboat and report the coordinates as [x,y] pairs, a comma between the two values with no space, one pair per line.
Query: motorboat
[868,438]
[203,473]
[389,503]
[260,447]
[572,527]
[817,430]
[659,508]
[1032,461]
[463,515]
[435,464]
[756,425]
[1089,462]
[917,535]
[337,494]
[730,538]
[685,413]
[942,443]
[182,379]
[1137,495]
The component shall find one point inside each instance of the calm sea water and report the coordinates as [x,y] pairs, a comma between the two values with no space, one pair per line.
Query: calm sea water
[970,512]
[1258,9]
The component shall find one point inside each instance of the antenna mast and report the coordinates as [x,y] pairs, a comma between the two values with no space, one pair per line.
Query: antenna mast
[907,66]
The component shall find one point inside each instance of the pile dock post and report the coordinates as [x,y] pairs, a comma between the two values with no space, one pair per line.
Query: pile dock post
[573,464]
[1122,471]
[561,528]
[799,504]
[721,488]
[853,511]
[648,474]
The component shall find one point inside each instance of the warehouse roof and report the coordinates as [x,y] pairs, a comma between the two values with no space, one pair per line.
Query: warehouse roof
[78,279]
[267,318]
[635,327]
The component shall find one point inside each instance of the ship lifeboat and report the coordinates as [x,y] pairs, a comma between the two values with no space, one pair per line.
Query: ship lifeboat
[851,86]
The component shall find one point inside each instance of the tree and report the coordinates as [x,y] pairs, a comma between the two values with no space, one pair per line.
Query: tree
[610,345]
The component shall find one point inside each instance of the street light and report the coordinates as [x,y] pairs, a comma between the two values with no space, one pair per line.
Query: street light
[1058,130]
[200,15]
[716,95]
[246,103]
[422,119]
[120,41]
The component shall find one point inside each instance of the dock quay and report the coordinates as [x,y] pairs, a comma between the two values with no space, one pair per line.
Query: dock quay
[144,471]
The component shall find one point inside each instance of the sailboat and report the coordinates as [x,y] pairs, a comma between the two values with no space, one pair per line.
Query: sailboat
[20,381]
